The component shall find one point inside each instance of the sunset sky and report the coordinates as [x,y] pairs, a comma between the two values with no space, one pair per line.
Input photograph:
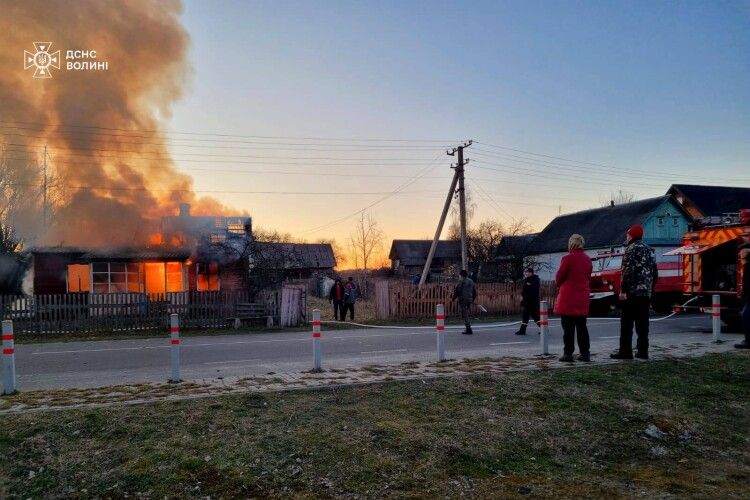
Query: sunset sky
[651,92]
[303,114]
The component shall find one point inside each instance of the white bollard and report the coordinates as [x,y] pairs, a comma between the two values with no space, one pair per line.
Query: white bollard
[440,327]
[716,318]
[544,325]
[174,341]
[9,358]
[316,340]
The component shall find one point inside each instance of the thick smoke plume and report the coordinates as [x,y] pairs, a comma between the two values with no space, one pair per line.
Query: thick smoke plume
[112,170]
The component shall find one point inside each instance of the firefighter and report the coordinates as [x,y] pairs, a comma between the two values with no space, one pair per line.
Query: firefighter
[745,299]
[465,293]
[529,300]
[639,275]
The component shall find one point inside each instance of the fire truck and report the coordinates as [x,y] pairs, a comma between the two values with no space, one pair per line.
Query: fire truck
[607,274]
[711,263]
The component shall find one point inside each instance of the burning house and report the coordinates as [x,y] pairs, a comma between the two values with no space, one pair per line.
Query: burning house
[189,254]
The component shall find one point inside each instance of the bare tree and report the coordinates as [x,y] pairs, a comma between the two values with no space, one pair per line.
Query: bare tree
[454,228]
[482,243]
[619,198]
[366,240]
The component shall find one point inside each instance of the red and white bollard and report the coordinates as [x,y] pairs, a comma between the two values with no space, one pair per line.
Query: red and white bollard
[544,326]
[174,347]
[440,327]
[9,358]
[316,340]
[716,318]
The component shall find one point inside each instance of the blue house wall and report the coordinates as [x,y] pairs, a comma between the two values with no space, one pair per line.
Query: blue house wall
[665,225]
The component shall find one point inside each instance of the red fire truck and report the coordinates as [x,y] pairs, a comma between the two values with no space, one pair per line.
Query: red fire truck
[711,263]
[607,274]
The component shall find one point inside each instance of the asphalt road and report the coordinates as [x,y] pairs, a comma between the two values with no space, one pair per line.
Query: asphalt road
[101,363]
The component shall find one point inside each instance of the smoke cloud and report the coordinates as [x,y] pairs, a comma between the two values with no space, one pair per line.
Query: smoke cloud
[113,173]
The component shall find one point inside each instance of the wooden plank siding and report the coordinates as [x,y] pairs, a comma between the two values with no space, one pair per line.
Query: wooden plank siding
[404,300]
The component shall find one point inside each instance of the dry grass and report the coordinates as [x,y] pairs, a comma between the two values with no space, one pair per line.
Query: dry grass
[556,434]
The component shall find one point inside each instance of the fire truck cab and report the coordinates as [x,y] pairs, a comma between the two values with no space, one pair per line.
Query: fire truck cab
[711,263]
[607,275]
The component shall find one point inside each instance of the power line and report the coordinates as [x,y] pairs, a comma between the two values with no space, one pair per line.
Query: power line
[397,190]
[241,136]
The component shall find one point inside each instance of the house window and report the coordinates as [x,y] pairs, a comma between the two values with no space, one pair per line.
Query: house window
[660,221]
[218,238]
[174,277]
[116,277]
[236,227]
[675,221]
[79,278]
[207,277]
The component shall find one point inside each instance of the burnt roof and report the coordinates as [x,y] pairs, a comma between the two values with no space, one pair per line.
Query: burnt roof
[411,252]
[713,200]
[600,227]
[297,255]
[117,253]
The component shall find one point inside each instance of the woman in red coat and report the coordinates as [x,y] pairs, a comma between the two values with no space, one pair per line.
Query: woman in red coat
[573,299]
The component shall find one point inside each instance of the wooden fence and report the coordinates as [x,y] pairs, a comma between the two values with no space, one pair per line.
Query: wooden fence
[84,312]
[404,300]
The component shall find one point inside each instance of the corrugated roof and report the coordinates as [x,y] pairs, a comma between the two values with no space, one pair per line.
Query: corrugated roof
[600,227]
[299,255]
[714,200]
[512,245]
[412,252]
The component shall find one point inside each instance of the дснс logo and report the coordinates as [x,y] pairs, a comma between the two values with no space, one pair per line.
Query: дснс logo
[42,60]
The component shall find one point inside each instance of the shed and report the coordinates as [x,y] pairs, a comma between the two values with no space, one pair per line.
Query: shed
[408,257]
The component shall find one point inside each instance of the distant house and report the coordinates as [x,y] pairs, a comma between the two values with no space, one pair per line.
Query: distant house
[710,201]
[664,221]
[293,260]
[408,257]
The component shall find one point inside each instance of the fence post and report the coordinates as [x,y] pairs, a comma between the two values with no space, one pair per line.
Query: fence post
[544,326]
[316,340]
[440,327]
[716,318]
[9,358]
[174,341]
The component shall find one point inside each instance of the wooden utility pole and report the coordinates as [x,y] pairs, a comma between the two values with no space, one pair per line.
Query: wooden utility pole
[458,179]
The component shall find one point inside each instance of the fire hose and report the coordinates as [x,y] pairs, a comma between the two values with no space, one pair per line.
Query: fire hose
[494,325]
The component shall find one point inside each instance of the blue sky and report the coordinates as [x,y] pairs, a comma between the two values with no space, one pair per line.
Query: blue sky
[660,90]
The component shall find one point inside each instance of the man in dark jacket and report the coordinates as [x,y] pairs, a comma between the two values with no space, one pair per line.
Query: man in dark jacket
[351,293]
[745,311]
[529,300]
[639,275]
[465,293]
[336,297]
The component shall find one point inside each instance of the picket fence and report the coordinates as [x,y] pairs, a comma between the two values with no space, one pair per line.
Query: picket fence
[404,300]
[85,312]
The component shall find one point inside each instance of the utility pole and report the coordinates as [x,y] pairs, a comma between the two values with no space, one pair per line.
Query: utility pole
[458,179]
[462,201]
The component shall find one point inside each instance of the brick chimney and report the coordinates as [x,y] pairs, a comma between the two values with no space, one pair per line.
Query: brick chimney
[184,209]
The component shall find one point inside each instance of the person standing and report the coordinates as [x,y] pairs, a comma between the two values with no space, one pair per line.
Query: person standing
[529,300]
[639,275]
[351,293]
[572,302]
[336,297]
[465,292]
[745,298]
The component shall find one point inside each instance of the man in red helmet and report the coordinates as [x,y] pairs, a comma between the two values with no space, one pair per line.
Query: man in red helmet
[639,275]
